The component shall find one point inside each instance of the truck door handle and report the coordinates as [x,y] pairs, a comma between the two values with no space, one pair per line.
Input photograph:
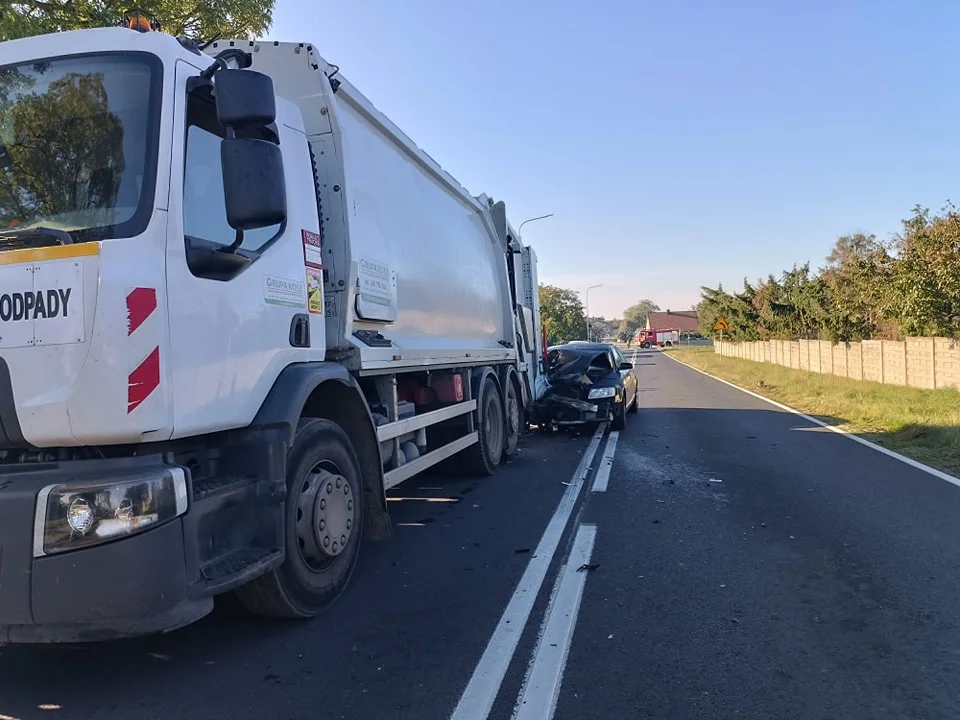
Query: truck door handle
[300,330]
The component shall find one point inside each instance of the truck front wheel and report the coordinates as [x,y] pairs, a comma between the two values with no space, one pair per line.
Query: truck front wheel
[324,524]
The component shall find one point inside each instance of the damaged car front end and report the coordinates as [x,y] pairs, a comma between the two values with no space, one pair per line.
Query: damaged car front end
[581,384]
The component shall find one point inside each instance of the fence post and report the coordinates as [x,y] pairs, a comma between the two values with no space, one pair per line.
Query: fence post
[883,376]
[933,360]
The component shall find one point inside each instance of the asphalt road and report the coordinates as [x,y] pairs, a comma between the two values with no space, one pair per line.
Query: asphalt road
[740,563]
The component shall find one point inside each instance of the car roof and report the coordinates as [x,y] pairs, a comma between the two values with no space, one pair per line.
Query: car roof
[581,345]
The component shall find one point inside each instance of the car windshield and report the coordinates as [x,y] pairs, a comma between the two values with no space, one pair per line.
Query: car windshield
[78,145]
[574,359]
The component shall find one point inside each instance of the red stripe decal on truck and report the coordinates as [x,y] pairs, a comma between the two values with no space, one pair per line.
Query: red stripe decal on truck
[141,302]
[143,381]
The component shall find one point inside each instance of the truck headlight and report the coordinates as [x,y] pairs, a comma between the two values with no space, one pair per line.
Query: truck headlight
[78,515]
[604,392]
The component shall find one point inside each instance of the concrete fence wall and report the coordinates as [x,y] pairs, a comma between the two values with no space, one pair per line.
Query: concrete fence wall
[916,362]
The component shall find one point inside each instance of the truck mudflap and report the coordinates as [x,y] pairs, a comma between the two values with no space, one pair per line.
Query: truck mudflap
[136,584]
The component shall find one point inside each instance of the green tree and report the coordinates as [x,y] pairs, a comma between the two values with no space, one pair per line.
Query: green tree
[601,328]
[856,282]
[868,289]
[926,278]
[562,314]
[736,308]
[193,18]
[635,317]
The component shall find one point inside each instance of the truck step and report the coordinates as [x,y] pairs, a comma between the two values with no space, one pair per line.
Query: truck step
[237,567]
[220,485]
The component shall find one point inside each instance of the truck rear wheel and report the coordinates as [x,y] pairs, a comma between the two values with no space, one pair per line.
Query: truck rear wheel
[483,457]
[514,419]
[324,524]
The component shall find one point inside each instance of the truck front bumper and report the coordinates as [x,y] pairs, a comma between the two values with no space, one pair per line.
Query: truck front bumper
[133,585]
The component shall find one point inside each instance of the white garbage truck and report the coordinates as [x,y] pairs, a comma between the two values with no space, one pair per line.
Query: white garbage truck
[237,305]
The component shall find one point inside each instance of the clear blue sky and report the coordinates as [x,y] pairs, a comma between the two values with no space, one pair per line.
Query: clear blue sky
[679,143]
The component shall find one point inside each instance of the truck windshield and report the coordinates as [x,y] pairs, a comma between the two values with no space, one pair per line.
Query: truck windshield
[78,145]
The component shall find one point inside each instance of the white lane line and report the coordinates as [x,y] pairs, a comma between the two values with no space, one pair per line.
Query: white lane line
[606,464]
[538,698]
[484,685]
[840,431]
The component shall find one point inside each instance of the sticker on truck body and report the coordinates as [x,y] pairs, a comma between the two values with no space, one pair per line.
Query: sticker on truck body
[312,249]
[315,291]
[41,305]
[284,291]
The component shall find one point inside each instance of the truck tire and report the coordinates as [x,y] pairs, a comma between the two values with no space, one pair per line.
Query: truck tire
[513,416]
[324,525]
[483,457]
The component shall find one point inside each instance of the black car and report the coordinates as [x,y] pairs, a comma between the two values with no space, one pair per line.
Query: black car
[586,383]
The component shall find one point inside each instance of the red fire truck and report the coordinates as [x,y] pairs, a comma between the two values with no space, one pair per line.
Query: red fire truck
[663,338]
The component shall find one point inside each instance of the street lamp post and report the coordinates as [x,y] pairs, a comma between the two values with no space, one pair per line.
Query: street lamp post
[587,307]
[541,217]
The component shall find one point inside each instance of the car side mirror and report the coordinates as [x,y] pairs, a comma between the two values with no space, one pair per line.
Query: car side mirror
[253,183]
[245,99]
[626,366]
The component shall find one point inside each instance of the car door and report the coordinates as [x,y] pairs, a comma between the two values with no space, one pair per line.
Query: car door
[629,376]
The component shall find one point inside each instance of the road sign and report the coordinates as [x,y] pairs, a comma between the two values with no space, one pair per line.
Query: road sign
[721,324]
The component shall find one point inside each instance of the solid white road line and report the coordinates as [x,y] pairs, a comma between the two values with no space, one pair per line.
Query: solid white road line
[481,691]
[538,698]
[840,431]
[606,464]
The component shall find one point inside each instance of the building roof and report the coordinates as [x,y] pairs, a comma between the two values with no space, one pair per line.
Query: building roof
[682,320]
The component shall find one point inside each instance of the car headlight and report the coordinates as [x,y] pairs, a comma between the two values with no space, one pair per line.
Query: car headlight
[604,392]
[78,515]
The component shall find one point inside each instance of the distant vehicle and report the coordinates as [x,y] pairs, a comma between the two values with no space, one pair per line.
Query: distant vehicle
[662,338]
[586,383]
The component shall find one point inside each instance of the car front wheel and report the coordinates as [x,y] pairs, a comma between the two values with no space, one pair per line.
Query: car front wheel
[619,415]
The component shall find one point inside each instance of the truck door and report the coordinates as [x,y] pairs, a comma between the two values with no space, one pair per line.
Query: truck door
[233,325]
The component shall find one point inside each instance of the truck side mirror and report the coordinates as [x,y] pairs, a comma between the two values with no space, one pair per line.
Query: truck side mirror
[253,183]
[253,179]
[245,99]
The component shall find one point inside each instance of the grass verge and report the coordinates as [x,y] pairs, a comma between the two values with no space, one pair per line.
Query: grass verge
[921,424]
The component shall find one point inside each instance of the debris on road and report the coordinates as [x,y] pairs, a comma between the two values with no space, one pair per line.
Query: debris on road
[588,566]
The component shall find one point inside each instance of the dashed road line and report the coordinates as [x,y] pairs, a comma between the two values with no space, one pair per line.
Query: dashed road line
[606,464]
[482,690]
[538,698]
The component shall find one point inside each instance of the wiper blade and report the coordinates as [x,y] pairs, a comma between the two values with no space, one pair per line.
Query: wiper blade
[33,237]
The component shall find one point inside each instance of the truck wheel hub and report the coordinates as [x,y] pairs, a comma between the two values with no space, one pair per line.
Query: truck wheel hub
[324,516]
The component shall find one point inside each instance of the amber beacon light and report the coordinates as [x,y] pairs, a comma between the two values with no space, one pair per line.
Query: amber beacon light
[141,21]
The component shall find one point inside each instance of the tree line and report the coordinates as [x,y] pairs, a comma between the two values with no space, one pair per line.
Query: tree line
[564,318]
[868,289]
[202,19]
